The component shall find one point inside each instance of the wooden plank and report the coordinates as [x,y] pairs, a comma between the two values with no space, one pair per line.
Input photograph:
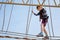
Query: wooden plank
[29,4]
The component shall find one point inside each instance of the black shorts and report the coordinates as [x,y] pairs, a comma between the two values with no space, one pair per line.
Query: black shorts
[44,21]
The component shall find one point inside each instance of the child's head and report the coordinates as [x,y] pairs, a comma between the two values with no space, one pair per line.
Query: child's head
[39,7]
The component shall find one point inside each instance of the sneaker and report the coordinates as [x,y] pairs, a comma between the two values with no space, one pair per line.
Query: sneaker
[46,37]
[40,35]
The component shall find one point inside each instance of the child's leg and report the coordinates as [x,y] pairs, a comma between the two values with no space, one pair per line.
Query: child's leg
[44,30]
[44,21]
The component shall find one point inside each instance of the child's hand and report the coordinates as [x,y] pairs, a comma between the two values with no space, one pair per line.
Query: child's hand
[32,12]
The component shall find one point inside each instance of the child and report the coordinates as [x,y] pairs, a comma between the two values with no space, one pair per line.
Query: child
[44,19]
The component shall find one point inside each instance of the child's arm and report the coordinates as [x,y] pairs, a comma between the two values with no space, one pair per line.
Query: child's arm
[35,13]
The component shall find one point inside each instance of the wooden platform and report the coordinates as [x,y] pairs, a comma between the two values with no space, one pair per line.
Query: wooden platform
[30,38]
[20,36]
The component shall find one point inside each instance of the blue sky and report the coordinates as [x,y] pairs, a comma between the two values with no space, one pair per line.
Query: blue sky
[19,18]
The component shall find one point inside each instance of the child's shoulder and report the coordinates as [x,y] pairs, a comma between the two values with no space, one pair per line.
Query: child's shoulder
[42,9]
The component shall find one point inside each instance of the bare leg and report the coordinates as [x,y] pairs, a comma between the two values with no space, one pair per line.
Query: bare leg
[43,29]
[45,32]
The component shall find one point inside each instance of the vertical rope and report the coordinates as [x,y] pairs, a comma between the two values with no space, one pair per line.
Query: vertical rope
[38,1]
[1,5]
[55,2]
[27,20]
[43,2]
[27,1]
[23,1]
[4,17]
[59,3]
[9,18]
[51,19]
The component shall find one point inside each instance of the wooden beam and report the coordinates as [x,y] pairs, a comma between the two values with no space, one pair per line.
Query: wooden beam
[29,4]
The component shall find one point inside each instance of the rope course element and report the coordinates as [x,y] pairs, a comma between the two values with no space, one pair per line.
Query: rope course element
[29,21]
[43,2]
[27,1]
[4,18]
[59,3]
[38,1]
[27,26]
[11,37]
[20,34]
[15,33]
[10,18]
[55,2]
[23,1]
[51,19]
[10,15]
[29,4]
[1,5]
